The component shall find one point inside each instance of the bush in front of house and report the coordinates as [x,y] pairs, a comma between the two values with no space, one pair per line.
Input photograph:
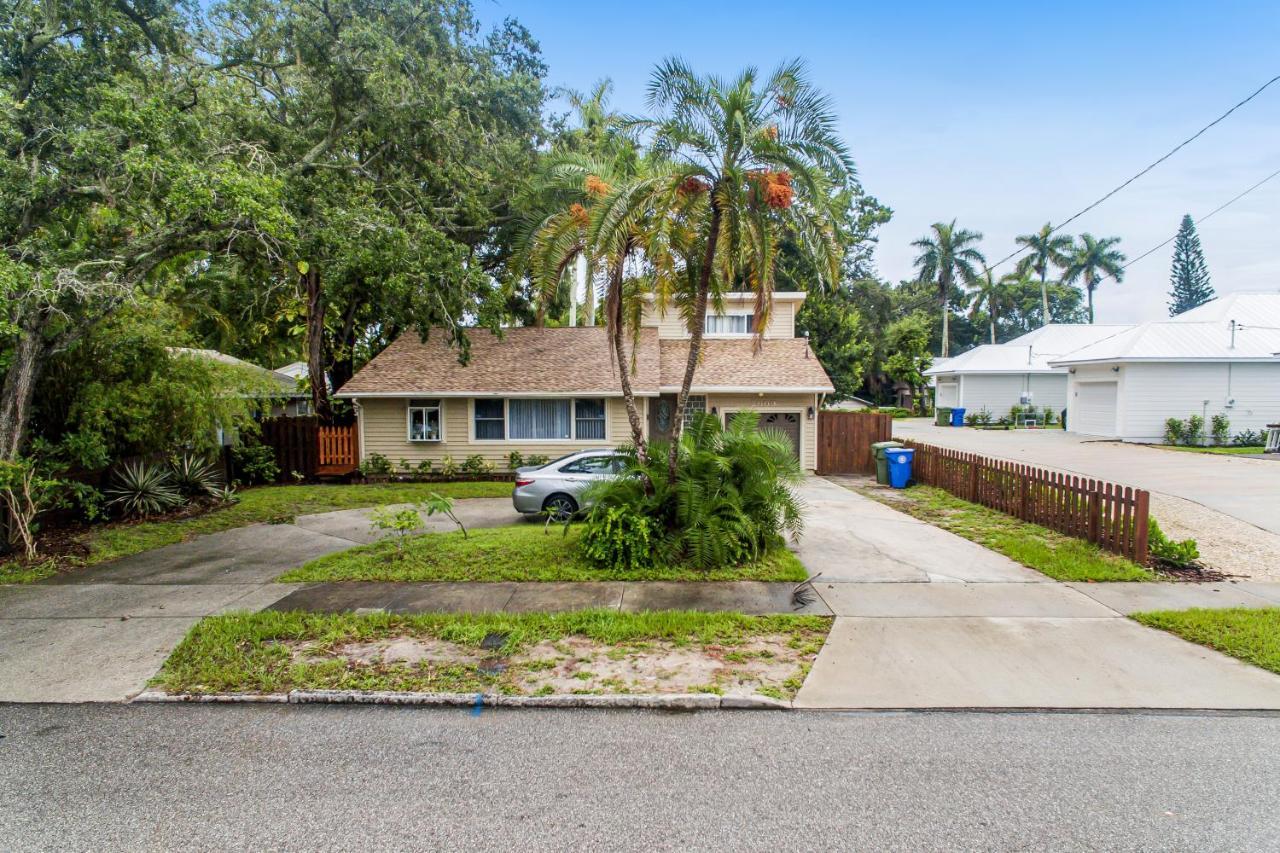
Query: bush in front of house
[733,498]
[256,463]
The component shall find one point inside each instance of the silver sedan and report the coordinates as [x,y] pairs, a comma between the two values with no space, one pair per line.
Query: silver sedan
[557,487]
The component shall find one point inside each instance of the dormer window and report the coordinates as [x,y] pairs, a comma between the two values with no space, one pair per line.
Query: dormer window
[731,324]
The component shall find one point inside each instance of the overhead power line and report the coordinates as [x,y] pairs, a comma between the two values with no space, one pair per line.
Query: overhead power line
[1117,189]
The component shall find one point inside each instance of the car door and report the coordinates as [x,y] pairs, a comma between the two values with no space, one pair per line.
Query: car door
[579,474]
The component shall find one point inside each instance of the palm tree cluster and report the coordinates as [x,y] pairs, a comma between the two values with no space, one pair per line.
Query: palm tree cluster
[950,260]
[687,203]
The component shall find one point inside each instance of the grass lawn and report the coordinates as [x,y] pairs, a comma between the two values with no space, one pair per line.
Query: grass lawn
[1061,557]
[523,552]
[1251,635]
[1221,451]
[591,651]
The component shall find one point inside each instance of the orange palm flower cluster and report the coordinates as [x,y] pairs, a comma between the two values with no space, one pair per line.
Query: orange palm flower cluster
[579,215]
[596,187]
[772,132]
[774,188]
[692,185]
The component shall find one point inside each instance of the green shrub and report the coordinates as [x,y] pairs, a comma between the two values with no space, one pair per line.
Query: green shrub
[1195,429]
[477,464]
[618,538]
[140,489]
[1050,417]
[515,459]
[1249,438]
[1174,431]
[375,464]
[423,468]
[732,499]
[400,521]
[194,475]
[1220,429]
[256,463]
[1181,554]
[448,467]
[537,460]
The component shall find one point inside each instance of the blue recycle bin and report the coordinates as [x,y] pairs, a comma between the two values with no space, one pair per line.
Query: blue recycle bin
[957,417]
[900,466]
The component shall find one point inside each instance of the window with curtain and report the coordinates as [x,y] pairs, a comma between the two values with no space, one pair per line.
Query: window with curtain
[588,419]
[540,419]
[730,324]
[490,424]
[424,420]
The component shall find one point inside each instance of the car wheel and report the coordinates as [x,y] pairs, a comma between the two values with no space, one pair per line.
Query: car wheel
[559,507]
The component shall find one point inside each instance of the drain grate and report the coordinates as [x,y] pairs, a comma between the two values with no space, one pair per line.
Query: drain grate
[493,641]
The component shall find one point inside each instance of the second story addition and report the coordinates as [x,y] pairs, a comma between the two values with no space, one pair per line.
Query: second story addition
[736,320]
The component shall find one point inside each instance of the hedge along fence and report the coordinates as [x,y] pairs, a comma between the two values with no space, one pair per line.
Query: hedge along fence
[1111,516]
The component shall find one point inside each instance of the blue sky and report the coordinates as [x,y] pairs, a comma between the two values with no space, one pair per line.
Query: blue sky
[1001,115]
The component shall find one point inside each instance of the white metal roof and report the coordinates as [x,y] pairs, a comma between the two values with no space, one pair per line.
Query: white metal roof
[1182,341]
[1249,307]
[1029,353]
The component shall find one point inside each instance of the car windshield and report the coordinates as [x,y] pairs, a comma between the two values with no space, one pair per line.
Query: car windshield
[560,459]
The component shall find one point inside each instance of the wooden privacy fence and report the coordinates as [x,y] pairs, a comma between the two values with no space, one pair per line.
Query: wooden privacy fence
[845,439]
[337,449]
[311,448]
[1112,516]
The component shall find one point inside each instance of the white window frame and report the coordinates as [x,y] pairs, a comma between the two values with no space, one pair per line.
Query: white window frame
[506,422]
[604,417]
[712,316]
[410,408]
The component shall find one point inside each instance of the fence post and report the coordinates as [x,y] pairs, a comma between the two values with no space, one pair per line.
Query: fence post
[1142,505]
[1095,511]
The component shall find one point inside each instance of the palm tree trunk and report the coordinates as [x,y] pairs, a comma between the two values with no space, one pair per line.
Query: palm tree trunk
[1088,290]
[1044,295]
[695,335]
[993,328]
[946,320]
[613,308]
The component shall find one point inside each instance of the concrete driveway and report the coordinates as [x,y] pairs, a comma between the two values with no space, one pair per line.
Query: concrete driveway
[926,619]
[98,635]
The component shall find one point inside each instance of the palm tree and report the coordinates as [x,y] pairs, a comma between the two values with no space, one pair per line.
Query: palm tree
[948,253]
[1091,261]
[992,296]
[753,158]
[1047,248]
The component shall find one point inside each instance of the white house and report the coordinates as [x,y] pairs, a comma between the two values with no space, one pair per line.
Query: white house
[997,377]
[1223,357]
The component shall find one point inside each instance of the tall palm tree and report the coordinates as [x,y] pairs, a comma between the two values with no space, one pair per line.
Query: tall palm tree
[992,295]
[1091,261]
[754,156]
[948,257]
[1047,249]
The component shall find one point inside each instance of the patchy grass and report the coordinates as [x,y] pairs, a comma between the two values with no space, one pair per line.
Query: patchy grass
[272,504]
[17,572]
[592,651]
[1061,557]
[1220,451]
[523,552]
[1250,635]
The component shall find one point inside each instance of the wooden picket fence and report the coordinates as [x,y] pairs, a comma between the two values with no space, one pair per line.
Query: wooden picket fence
[310,448]
[337,449]
[1113,517]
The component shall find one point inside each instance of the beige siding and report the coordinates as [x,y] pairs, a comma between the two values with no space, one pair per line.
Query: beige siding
[384,429]
[801,403]
[782,319]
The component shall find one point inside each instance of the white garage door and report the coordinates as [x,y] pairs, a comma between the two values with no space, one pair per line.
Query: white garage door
[1095,412]
[948,394]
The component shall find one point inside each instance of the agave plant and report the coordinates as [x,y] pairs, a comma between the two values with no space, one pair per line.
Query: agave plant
[142,489]
[193,474]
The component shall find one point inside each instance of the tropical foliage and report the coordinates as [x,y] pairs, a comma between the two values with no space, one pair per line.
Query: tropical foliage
[948,258]
[1092,261]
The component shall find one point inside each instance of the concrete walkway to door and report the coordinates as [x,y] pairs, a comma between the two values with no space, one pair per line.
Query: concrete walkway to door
[925,619]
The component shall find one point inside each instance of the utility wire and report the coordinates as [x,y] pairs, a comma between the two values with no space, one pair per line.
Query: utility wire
[1173,151]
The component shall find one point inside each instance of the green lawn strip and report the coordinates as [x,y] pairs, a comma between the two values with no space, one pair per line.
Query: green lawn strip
[523,552]
[1220,451]
[16,572]
[273,503]
[1061,557]
[1252,635]
[254,652]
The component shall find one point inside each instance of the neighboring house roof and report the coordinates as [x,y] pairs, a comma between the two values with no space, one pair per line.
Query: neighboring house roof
[288,384]
[781,364]
[296,369]
[1250,307]
[525,361]
[529,361]
[1181,341]
[1029,353]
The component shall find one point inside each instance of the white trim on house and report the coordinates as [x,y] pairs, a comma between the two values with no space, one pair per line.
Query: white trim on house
[408,421]
[391,395]
[744,389]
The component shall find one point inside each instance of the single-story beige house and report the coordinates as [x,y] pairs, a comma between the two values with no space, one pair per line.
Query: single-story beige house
[551,391]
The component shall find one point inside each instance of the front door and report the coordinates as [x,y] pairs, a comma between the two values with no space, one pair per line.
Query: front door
[661,417]
[787,423]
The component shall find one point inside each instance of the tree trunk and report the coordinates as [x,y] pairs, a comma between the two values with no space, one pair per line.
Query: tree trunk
[1044,296]
[19,387]
[946,319]
[342,361]
[613,304]
[695,336]
[1088,291]
[315,342]
[993,328]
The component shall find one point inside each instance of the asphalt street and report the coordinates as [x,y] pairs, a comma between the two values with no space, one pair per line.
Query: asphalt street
[114,777]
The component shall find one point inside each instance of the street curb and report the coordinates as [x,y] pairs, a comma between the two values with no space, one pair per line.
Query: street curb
[652,701]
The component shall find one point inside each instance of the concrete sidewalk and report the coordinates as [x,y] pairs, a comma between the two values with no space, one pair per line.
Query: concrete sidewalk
[925,619]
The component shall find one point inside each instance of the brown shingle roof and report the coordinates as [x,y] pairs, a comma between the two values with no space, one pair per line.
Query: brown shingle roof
[577,361]
[523,361]
[781,364]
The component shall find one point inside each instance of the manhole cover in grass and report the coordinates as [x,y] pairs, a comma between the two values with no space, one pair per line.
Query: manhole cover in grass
[493,641]
[491,667]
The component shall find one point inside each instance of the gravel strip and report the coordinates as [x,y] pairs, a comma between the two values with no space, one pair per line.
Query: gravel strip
[1226,543]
